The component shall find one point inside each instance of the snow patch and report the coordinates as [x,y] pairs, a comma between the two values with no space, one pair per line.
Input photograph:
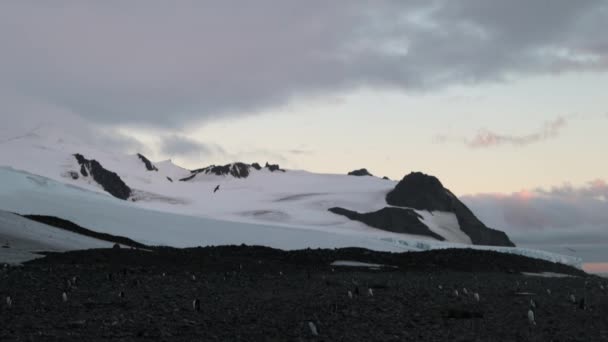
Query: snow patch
[444,224]
[348,263]
[547,275]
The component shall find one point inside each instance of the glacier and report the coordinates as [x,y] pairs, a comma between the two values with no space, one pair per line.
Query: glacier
[26,193]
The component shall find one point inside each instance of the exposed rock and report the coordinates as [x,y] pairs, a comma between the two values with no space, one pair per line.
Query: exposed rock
[386,178]
[73,174]
[108,180]
[273,167]
[147,162]
[169,179]
[237,170]
[74,228]
[423,192]
[397,220]
[188,178]
[360,172]
[407,309]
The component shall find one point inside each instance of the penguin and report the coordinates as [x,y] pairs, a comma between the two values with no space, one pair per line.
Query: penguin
[476,296]
[313,329]
[196,305]
[64,296]
[531,319]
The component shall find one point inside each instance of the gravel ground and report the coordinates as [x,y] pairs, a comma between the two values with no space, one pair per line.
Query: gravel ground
[261,294]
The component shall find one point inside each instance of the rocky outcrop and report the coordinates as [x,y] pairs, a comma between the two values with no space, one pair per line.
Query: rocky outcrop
[397,220]
[423,192]
[74,228]
[360,172]
[108,180]
[273,167]
[237,170]
[147,162]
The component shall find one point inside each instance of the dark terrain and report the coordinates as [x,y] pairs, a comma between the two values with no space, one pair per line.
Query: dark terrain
[262,294]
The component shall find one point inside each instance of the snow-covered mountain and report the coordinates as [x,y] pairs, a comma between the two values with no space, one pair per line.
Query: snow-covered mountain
[160,203]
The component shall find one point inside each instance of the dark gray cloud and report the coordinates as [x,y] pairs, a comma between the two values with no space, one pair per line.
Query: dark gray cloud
[163,64]
[486,138]
[560,218]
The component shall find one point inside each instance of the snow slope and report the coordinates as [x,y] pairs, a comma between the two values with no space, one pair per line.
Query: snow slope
[297,199]
[26,193]
[284,210]
[21,237]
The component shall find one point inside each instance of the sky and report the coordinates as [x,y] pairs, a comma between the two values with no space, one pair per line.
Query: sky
[504,101]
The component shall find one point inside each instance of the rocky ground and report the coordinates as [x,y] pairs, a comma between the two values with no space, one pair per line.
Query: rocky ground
[261,294]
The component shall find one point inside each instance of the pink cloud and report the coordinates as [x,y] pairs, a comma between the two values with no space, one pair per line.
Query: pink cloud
[487,138]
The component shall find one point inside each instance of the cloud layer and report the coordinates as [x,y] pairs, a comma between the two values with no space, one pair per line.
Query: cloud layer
[172,64]
[485,138]
[562,216]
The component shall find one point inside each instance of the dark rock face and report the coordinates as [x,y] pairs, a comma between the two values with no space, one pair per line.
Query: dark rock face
[108,180]
[147,162]
[169,179]
[273,167]
[188,178]
[72,227]
[237,170]
[397,220]
[386,178]
[360,172]
[423,192]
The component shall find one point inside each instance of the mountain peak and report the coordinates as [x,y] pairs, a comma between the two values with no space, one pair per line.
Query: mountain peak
[424,192]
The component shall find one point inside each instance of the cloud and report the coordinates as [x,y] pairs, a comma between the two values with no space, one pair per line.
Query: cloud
[485,138]
[176,145]
[561,216]
[300,152]
[181,146]
[171,64]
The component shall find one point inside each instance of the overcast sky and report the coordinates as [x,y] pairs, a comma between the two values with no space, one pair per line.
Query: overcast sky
[504,101]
